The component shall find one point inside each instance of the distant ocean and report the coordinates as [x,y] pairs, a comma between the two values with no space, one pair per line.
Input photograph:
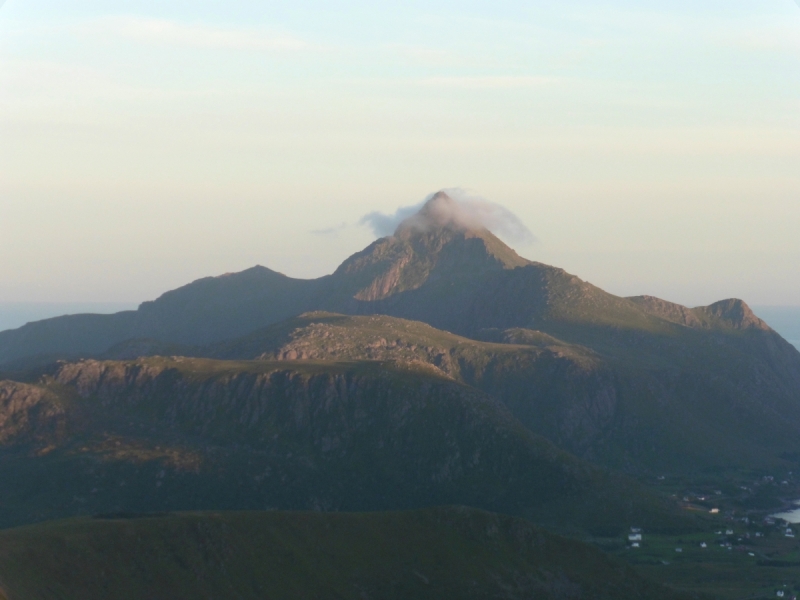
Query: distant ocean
[16,314]
[783,319]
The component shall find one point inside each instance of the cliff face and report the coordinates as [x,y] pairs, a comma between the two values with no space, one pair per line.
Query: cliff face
[29,413]
[162,434]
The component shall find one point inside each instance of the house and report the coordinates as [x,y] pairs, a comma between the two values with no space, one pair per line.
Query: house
[779,593]
[703,545]
[789,532]
[729,532]
[635,537]
[678,549]
[714,511]
[635,545]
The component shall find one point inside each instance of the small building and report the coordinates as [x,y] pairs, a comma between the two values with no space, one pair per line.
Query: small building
[729,532]
[703,545]
[779,594]
[714,511]
[789,532]
[678,549]
[635,545]
[635,537]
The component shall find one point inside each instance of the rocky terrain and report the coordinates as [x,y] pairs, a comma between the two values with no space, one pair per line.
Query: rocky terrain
[169,434]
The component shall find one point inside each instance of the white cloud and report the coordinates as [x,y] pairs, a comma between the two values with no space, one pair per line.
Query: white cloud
[457,206]
[195,35]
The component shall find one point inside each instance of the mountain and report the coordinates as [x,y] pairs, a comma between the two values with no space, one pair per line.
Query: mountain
[164,434]
[442,554]
[432,270]
[638,383]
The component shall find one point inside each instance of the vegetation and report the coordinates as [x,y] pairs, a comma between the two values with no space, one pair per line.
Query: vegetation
[438,553]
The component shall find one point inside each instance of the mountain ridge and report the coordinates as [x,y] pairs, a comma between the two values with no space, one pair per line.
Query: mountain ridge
[433,269]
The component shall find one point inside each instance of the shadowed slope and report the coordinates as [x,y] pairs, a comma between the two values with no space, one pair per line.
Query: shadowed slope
[441,554]
[161,434]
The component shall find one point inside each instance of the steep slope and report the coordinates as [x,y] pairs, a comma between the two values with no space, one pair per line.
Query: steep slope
[444,553]
[649,407]
[162,434]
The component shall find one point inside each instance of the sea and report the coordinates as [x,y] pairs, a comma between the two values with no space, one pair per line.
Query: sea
[16,314]
[791,516]
[783,319]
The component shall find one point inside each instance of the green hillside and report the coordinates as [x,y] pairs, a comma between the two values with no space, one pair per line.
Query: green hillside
[438,553]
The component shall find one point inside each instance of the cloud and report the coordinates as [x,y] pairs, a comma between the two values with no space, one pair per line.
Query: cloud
[452,206]
[196,35]
[331,231]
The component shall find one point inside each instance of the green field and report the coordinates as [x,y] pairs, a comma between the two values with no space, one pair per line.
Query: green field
[434,553]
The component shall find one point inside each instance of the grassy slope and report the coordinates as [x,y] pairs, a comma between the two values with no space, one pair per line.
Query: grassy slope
[435,553]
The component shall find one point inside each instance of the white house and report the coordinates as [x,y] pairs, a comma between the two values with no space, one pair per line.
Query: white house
[635,537]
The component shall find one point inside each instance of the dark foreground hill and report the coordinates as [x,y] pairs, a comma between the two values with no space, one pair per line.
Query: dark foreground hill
[192,434]
[440,554]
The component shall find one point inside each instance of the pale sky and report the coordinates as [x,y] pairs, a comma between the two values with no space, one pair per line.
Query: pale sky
[650,147]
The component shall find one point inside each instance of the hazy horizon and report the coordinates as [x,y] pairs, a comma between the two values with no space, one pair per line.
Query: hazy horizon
[648,147]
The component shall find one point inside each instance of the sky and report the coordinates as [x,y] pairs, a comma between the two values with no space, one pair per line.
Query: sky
[648,147]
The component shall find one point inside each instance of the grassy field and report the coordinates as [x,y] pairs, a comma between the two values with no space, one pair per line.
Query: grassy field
[735,566]
[434,553]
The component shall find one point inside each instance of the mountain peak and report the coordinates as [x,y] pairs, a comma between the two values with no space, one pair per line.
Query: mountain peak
[443,242]
[441,211]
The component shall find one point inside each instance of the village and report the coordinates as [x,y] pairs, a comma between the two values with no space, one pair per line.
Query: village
[747,542]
